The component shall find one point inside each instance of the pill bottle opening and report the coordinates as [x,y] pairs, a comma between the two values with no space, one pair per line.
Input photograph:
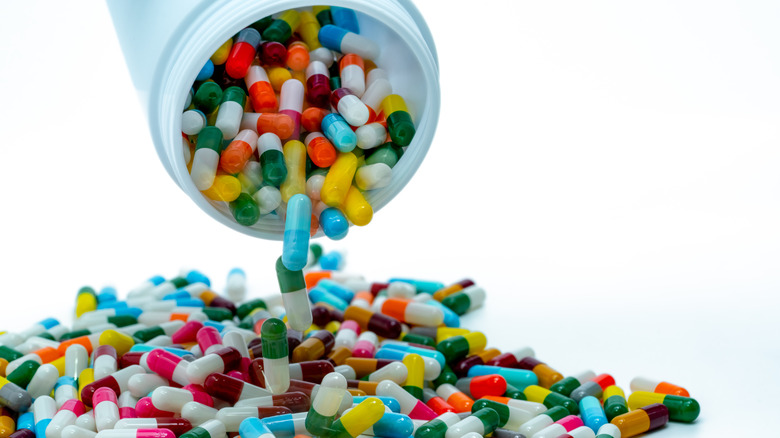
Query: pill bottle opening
[407,55]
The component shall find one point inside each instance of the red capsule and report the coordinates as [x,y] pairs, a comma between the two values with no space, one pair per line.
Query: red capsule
[242,53]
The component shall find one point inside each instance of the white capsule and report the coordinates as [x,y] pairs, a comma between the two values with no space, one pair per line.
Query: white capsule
[199,369]
[76,360]
[314,187]
[354,78]
[166,398]
[106,409]
[373,176]
[354,111]
[229,118]
[86,421]
[236,282]
[322,54]
[197,413]
[232,417]
[395,371]
[354,43]
[376,90]
[347,371]
[464,427]
[609,430]
[268,198]
[476,296]
[142,384]
[370,135]
[401,289]
[192,121]
[291,96]
[43,380]
[204,168]
[74,431]
[535,424]
[104,365]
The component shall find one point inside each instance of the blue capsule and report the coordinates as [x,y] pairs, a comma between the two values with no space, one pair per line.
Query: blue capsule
[516,377]
[252,428]
[451,319]
[336,289]
[206,71]
[393,425]
[295,249]
[197,277]
[334,224]
[286,425]
[107,295]
[421,285]
[345,18]
[390,402]
[337,130]
[319,294]
[592,413]
[332,261]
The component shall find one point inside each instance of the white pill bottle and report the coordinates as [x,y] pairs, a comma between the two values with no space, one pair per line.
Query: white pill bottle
[167,42]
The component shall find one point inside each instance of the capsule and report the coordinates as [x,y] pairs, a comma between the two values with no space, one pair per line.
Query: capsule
[106,409]
[291,103]
[381,325]
[642,420]
[682,409]
[318,84]
[608,431]
[614,402]
[437,427]
[458,347]
[510,417]
[206,158]
[7,424]
[295,159]
[410,406]
[594,387]
[65,389]
[235,156]
[513,376]
[454,397]
[529,406]
[466,300]
[242,53]
[550,399]
[358,419]
[176,425]
[333,222]
[344,41]
[375,93]
[116,381]
[275,355]
[309,28]
[272,162]
[65,416]
[282,28]
[395,371]
[345,18]
[592,413]
[325,405]
[221,360]
[232,389]
[337,130]
[347,334]
[566,385]
[399,122]
[319,344]
[546,375]
[480,386]
[483,422]
[349,106]
[415,379]
[320,150]
[296,301]
[649,385]
[560,427]
[44,408]
[365,346]
[230,112]
[413,312]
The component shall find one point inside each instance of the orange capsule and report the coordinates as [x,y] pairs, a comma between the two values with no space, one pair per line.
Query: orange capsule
[297,56]
[311,118]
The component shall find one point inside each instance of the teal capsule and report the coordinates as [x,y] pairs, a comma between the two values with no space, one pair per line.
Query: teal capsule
[592,413]
[295,249]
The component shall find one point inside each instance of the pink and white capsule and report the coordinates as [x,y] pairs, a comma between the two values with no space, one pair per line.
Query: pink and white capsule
[64,417]
[135,433]
[291,103]
[366,345]
[560,427]
[104,363]
[166,398]
[347,335]
[198,413]
[168,365]
[106,409]
[74,431]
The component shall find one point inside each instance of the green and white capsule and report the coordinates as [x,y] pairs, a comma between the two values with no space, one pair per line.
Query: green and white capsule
[209,429]
[466,300]
[325,404]
[296,301]
[206,159]
[509,417]
[437,427]
[269,147]
[541,421]
[230,111]
[483,422]
[273,334]
[608,431]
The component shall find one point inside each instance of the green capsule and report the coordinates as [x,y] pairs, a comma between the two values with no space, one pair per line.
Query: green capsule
[489,419]
[446,376]
[682,409]
[566,385]
[324,17]
[234,94]
[437,427]
[149,333]
[207,97]
[9,353]
[218,313]
[458,347]
[47,335]
[210,137]
[24,373]
[262,24]
[122,320]
[273,335]
[75,334]
[513,392]
[419,339]
[281,29]
[245,309]
[614,402]
[400,126]
[458,303]
[316,251]
[501,409]
[245,210]
[385,154]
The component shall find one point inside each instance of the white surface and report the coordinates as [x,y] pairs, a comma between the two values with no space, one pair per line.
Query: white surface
[607,171]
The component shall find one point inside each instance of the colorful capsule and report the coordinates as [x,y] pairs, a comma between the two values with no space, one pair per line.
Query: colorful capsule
[295,251]
[117,381]
[65,416]
[482,422]
[614,402]
[176,425]
[319,344]
[594,387]
[375,93]
[560,427]
[309,28]
[269,146]
[437,427]
[510,359]
[318,84]
[358,419]
[347,334]
[291,103]
[320,150]
[44,408]
[86,301]
[480,386]
[550,399]
[546,375]
[230,112]
[105,408]
[7,424]
[220,360]
[337,130]
[242,53]
[377,323]
[169,399]
[281,29]
[274,123]
[345,18]
[415,379]
[458,347]
[412,312]
[682,409]
[232,389]
[232,417]
[350,107]
[650,385]
[275,355]
[325,404]
[510,417]
[642,420]
[592,413]
[206,158]
[234,157]
[608,431]
[436,403]
[513,376]
[455,397]
[400,125]
[394,371]
[344,41]
[466,300]
[296,301]
[410,405]
[365,346]
[566,385]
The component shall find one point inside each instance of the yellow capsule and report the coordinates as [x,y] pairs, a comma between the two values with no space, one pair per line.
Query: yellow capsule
[277,76]
[86,301]
[476,340]
[309,30]
[86,377]
[338,180]
[443,333]
[225,188]
[292,17]
[393,103]
[120,341]
[333,326]
[356,207]
[415,371]
[295,159]
[611,390]
[536,393]
[7,424]
[632,423]
[313,328]
[362,416]
[221,55]
[59,363]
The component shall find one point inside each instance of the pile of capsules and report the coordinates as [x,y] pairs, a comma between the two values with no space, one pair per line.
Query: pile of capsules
[292,117]
[343,357]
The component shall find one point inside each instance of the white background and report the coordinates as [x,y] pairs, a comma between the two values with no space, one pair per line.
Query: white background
[607,171]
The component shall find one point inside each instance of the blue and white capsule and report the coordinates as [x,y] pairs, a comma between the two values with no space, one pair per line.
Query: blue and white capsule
[337,130]
[344,41]
[295,249]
